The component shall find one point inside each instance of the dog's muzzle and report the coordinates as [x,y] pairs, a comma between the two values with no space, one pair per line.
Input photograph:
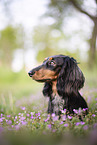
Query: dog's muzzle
[31,73]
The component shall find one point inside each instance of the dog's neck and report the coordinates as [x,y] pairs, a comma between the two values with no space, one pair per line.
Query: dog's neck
[54,88]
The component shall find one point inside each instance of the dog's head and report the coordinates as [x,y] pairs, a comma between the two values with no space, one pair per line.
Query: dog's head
[48,71]
[61,68]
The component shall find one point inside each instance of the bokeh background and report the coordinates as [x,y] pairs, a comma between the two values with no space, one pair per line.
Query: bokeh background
[31,30]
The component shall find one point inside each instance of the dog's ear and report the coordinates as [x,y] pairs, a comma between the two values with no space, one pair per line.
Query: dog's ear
[47,89]
[71,78]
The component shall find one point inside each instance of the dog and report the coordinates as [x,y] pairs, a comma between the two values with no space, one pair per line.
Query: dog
[63,79]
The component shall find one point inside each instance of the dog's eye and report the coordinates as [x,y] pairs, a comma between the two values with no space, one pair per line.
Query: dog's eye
[52,63]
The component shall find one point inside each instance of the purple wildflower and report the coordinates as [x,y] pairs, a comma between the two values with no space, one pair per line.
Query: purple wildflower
[63,111]
[6,120]
[28,115]
[9,122]
[39,117]
[82,123]
[69,117]
[23,108]
[17,127]
[61,122]
[78,123]
[22,118]
[1,114]
[75,111]
[46,120]
[64,117]
[32,117]
[1,120]
[85,127]
[8,116]
[38,113]
[19,114]
[55,118]
[66,125]
[24,123]
[12,126]
[49,126]
[53,114]
[53,130]
[16,117]
[93,115]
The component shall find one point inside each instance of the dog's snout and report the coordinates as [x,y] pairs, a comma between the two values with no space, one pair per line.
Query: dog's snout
[31,73]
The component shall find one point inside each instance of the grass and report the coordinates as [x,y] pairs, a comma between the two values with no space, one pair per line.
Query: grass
[23,118]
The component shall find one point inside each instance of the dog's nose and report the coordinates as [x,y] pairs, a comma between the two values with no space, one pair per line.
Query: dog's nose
[31,73]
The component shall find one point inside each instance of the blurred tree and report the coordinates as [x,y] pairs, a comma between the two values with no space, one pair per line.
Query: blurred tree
[44,41]
[10,39]
[48,41]
[59,9]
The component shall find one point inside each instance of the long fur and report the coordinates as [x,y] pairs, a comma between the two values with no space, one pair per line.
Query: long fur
[69,82]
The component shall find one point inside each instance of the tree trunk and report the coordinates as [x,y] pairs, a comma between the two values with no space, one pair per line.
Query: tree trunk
[92,52]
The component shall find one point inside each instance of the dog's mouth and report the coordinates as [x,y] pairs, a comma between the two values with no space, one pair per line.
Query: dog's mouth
[44,80]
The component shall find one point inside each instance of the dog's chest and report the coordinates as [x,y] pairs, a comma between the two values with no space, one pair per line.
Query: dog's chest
[58,103]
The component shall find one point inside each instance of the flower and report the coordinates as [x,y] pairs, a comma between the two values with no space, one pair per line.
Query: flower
[38,113]
[75,111]
[69,117]
[53,130]
[23,108]
[1,120]
[9,122]
[82,123]
[77,123]
[93,115]
[24,123]
[61,122]
[22,118]
[55,118]
[8,116]
[66,125]
[85,127]
[49,126]
[17,127]
[32,117]
[64,117]
[53,114]
[28,115]
[1,114]
[16,117]
[63,111]
[46,120]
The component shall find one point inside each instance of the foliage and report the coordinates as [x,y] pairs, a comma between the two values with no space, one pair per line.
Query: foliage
[36,127]
[60,10]
[10,39]
[48,41]
[23,117]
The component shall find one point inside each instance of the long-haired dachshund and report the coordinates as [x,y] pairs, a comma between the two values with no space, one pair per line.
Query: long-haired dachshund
[63,80]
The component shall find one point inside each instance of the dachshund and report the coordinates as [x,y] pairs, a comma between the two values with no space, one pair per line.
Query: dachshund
[63,79]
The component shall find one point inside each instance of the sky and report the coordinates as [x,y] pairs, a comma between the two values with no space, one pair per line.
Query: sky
[28,13]
[25,12]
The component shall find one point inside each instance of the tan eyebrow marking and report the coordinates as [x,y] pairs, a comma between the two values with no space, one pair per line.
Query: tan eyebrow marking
[50,58]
